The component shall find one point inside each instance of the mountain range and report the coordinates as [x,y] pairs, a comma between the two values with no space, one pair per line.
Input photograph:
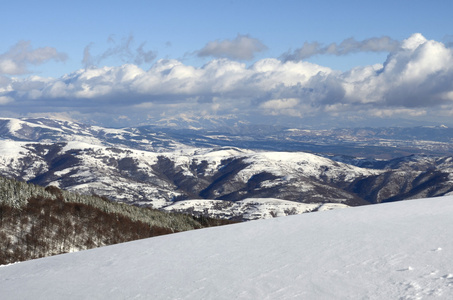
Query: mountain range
[249,173]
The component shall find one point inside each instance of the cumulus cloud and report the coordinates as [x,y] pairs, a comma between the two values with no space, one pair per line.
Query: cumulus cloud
[122,50]
[18,58]
[288,106]
[414,81]
[220,87]
[243,47]
[350,45]
[418,74]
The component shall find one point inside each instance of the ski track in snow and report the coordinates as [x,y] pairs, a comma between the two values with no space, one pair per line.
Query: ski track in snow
[399,250]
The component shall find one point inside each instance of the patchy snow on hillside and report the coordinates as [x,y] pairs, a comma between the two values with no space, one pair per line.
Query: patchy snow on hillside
[12,149]
[248,209]
[16,125]
[400,250]
[310,165]
[16,160]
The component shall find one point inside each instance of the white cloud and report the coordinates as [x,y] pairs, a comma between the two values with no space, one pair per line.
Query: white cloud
[280,103]
[419,74]
[7,66]
[288,106]
[413,42]
[17,59]
[414,81]
[242,47]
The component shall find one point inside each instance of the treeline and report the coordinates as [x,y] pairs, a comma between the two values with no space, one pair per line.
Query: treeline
[37,222]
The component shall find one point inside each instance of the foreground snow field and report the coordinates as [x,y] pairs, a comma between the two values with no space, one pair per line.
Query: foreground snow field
[400,250]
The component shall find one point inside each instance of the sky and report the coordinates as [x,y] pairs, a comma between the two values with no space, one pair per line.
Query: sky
[292,63]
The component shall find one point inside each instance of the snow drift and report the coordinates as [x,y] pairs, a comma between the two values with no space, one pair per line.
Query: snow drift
[399,250]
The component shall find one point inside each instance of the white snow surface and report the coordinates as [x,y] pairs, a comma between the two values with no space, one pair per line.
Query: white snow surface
[400,250]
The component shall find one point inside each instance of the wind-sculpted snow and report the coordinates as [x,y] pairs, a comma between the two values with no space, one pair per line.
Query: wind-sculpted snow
[389,251]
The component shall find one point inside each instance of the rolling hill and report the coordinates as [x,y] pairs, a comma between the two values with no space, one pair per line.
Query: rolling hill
[169,170]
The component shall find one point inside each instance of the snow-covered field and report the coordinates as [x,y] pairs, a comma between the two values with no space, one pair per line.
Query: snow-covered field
[401,250]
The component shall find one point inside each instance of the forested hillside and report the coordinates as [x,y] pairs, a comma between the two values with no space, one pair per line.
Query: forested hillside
[37,222]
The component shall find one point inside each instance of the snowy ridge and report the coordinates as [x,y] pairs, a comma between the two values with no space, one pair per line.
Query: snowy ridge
[16,125]
[310,165]
[162,179]
[154,178]
[156,167]
[399,250]
[17,161]
[53,130]
[372,142]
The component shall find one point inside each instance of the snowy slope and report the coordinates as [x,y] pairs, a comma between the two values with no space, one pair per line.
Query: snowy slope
[400,250]
[53,130]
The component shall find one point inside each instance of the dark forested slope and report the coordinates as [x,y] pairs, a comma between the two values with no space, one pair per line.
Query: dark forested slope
[37,222]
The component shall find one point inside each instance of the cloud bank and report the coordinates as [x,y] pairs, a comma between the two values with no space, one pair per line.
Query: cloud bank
[415,81]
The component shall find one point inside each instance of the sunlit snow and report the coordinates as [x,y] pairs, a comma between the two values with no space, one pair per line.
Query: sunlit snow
[401,250]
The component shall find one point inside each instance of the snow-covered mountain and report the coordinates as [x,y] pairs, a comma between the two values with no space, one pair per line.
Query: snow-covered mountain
[45,130]
[159,178]
[397,250]
[383,143]
[148,166]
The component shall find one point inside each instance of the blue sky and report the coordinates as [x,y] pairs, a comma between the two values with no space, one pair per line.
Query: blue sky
[308,48]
